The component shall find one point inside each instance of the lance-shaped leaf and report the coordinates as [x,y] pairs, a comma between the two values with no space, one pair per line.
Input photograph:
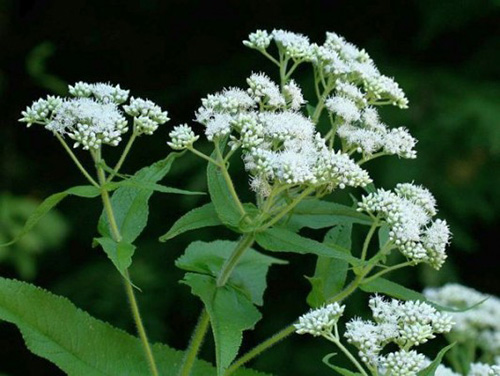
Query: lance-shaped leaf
[330,274]
[204,216]
[119,253]
[249,275]
[134,183]
[318,214]
[430,370]
[80,345]
[86,191]
[340,370]
[282,240]
[131,204]
[231,312]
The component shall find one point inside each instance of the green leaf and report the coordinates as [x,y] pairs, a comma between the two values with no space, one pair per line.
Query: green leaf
[384,286]
[430,370]
[131,204]
[383,235]
[134,183]
[318,214]
[330,274]
[86,191]
[204,216]
[230,311]
[79,344]
[282,240]
[119,253]
[249,275]
[225,207]
[340,370]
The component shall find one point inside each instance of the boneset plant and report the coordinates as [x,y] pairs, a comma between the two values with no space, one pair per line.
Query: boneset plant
[298,152]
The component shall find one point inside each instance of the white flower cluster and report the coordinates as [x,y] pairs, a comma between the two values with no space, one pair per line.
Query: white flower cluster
[93,117]
[406,324]
[357,85]
[320,321]
[279,144]
[182,137]
[408,211]
[476,369]
[480,324]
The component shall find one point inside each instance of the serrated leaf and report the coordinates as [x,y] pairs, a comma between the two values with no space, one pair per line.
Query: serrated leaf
[204,216]
[430,370]
[318,214]
[330,274]
[282,240]
[384,286]
[249,275]
[86,191]
[231,313]
[224,205]
[131,204]
[81,345]
[340,370]
[119,253]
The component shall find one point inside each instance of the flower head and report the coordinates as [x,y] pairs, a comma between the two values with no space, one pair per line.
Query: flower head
[319,321]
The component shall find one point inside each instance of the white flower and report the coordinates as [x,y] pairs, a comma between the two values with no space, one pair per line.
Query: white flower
[182,137]
[365,335]
[229,100]
[402,363]
[320,321]
[219,125]
[40,111]
[400,142]
[259,40]
[352,92]
[482,369]
[265,90]
[88,122]
[480,324]
[142,109]
[294,45]
[101,91]
[343,107]
[293,95]
[408,212]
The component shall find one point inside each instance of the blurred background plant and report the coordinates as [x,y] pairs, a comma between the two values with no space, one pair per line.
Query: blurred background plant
[445,55]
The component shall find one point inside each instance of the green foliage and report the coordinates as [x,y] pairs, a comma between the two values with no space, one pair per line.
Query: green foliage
[131,204]
[282,240]
[220,194]
[78,343]
[317,214]
[204,216]
[135,183]
[119,253]
[331,273]
[86,191]
[430,370]
[249,275]
[231,312]
[47,234]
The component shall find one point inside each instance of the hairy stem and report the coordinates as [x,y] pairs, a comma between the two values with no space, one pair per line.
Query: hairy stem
[128,286]
[245,242]
[368,239]
[195,344]
[201,155]
[77,162]
[388,270]
[347,353]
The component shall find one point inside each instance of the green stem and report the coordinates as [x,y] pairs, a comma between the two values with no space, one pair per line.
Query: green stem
[289,207]
[371,157]
[347,353]
[388,270]
[128,286]
[257,350]
[228,180]
[368,239]
[292,69]
[77,162]
[195,344]
[119,164]
[201,155]
[245,242]
[321,102]
[266,54]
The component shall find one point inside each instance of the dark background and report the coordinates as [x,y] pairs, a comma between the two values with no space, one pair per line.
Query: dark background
[445,54]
